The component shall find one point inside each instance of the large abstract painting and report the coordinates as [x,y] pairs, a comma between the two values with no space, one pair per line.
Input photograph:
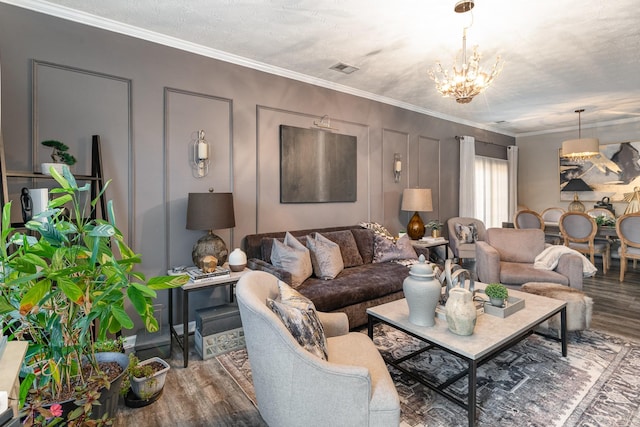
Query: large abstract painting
[317,166]
[614,173]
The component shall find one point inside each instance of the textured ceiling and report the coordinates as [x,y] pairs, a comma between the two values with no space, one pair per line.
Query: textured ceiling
[559,55]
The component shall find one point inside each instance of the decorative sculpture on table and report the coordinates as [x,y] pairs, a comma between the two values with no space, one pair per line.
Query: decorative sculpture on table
[422,292]
[634,201]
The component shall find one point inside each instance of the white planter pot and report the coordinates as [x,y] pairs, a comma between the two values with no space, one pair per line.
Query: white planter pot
[144,388]
[45,167]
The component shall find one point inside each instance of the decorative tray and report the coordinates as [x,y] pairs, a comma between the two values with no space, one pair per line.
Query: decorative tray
[512,305]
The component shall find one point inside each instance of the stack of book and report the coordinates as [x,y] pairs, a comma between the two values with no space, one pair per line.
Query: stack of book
[198,276]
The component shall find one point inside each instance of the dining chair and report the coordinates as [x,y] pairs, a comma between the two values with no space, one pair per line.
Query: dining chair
[579,231]
[527,218]
[628,229]
[596,212]
[552,215]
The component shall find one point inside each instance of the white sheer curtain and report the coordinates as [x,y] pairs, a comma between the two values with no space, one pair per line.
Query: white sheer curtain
[492,191]
[512,158]
[467,177]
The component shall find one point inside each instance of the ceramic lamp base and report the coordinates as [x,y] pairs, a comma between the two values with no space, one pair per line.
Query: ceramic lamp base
[415,228]
[209,244]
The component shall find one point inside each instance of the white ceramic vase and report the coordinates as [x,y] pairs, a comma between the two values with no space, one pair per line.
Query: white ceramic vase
[461,312]
[237,260]
[422,292]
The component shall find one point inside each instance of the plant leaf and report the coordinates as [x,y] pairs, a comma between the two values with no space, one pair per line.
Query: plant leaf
[122,317]
[71,290]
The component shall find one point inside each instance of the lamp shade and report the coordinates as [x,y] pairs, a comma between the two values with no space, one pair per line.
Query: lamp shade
[210,211]
[583,147]
[576,184]
[417,200]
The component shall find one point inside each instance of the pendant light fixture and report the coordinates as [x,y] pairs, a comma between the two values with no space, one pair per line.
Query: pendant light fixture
[580,149]
[467,80]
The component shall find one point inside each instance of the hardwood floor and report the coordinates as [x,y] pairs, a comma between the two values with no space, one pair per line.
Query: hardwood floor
[204,395]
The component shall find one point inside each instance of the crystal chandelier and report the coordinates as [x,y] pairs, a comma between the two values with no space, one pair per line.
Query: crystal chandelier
[467,80]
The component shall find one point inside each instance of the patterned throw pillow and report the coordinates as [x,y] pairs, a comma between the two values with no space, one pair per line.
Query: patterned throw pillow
[466,233]
[325,257]
[299,316]
[293,257]
[379,229]
[385,250]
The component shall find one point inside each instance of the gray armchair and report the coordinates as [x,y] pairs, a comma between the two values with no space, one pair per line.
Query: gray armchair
[507,256]
[295,388]
[462,249]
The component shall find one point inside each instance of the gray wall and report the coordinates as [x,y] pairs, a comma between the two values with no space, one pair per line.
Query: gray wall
[538,171]
[147,101]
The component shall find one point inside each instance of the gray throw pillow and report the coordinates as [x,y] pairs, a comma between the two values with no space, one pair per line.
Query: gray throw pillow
[385,250]
[293,257]
[299,316]
[325,257]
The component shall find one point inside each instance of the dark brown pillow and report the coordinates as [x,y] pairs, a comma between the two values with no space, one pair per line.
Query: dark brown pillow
[348,247]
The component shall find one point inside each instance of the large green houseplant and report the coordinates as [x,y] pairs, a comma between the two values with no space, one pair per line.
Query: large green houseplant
[63,290]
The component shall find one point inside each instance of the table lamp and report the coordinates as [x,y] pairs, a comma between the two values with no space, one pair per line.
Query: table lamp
[210,211]
[417,200]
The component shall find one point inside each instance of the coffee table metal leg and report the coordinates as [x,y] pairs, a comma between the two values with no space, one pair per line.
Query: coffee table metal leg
[563,330]
[471,398]
[370,326]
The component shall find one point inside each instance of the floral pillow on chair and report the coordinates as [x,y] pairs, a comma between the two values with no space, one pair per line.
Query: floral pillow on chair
[466,233]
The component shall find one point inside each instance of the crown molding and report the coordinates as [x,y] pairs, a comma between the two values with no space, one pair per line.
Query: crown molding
[583,126]
[151,36]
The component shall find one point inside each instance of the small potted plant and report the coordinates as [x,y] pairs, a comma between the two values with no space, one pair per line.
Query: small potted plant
[497,294]
[59,155]
[145,379]
[435,228]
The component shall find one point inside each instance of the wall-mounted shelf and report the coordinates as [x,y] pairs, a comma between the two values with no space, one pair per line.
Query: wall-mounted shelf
[96,178]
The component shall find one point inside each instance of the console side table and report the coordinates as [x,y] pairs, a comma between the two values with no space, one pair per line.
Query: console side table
[183,341]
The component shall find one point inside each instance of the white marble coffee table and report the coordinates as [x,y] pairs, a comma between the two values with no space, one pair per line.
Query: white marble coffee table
[491,336]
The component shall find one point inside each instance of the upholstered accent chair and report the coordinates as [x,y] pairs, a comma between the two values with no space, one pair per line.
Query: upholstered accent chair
[527,218]
[628,229]
[578,231]
[296,388]
[464,248]
[507,256]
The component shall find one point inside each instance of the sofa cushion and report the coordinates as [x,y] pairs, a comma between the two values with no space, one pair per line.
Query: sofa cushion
[348,248]
[516,245]
[325,257]
[293,257]
[385,250]
[516,272]
[355,285]
[364,239]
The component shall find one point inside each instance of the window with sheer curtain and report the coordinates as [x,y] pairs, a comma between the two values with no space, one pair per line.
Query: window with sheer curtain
[491,190]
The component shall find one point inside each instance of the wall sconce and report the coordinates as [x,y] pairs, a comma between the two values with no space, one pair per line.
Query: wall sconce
[200,162]
[397,166]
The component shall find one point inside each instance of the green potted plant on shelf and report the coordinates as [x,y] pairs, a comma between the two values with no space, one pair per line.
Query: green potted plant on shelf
[497,294]
[435,227]
[63,290]
[59,155]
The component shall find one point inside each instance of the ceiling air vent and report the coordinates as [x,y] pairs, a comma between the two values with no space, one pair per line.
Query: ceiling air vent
[344,68]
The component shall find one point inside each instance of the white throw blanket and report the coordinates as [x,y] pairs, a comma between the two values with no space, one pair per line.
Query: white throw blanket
[548,259]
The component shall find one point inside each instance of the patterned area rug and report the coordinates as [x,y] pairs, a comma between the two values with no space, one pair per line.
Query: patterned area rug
[531,384]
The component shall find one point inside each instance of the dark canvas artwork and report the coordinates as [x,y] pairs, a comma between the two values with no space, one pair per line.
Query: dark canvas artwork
[317,166]
[614,173]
